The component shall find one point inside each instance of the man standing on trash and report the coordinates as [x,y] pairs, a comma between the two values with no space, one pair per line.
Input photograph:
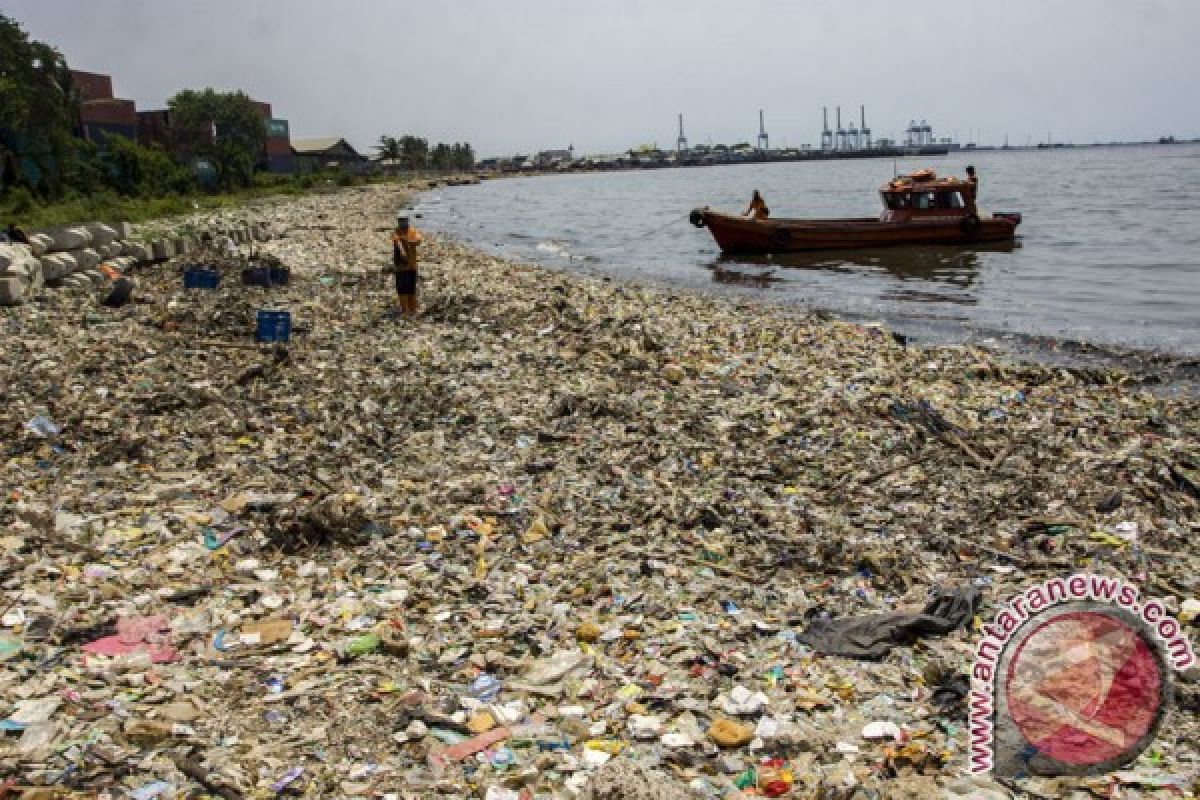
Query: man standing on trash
[404,259]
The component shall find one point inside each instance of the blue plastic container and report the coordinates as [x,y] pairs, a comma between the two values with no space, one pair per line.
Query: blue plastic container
[266,276]
[200,278]
[274,326]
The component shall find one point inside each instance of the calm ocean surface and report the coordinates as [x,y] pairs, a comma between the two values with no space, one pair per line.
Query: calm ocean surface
[1108,252]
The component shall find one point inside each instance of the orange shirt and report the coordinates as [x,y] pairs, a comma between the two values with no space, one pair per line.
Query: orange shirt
[407,244]
[412,236]
[758,208]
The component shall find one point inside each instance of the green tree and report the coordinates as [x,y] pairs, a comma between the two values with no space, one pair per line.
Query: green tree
[416,151]
[224,128]
[142,171]
[38,110]
[389,148]
[442,156]
[463,156]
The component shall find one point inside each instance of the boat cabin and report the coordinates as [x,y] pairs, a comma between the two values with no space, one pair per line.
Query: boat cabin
[924,196]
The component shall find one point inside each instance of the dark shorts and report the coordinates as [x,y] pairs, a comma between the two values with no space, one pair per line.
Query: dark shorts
[406,282]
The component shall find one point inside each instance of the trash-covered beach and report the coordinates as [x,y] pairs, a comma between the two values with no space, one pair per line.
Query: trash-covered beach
[556,536]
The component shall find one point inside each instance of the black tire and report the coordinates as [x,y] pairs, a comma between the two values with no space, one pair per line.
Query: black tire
[971,225]
[697,218]
[781,237]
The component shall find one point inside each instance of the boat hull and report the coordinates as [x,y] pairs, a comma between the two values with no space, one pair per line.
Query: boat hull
[743,235]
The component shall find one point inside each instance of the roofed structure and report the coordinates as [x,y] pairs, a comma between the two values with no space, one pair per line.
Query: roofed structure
[324,151]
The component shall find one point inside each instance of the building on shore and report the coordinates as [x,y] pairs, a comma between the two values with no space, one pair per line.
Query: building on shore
[554,159]
[325,152]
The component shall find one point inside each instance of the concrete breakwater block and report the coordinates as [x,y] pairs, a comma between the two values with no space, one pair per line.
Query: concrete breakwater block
[124,230]
[162,249]
[40,243]
[13,290]
[70,262]
[95,276]
[69,238]
[77,281]
[52,268]
[18,261]
[101,234]
[13,254]
[28,271]
[88,258]
[136,250]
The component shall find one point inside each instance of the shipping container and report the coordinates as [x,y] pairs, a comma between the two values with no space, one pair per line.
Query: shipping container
[113,111]
[97,131]
[279,146]
[92,85]
[285,164]
[154,127]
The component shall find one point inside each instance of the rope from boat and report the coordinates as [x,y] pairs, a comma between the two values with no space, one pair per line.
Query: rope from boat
[646,235]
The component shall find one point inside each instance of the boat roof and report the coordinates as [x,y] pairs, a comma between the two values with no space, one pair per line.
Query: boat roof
[924,180]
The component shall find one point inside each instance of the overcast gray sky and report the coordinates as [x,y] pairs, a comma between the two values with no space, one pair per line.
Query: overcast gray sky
[605,76]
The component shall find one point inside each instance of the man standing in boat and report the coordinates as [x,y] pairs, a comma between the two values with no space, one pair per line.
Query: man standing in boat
[758,207]
[973,181]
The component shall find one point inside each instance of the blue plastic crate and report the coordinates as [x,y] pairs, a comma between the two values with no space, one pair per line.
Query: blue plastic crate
[274,326]
[200,278]
[266,276]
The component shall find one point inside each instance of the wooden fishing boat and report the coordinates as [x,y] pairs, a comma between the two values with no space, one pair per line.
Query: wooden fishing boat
[919,209]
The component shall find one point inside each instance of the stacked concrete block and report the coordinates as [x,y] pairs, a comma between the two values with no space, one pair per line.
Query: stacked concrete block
[72,256]
[101,234]
[40,244]
[57,266]
[69,238]
[88,258]
[20,274]
[11,254]
[12,291]
[162,249]
[136,250]
[70,262]
[76,281]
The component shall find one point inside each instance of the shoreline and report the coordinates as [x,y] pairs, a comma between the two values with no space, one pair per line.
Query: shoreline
[1160,371]
[655,485]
